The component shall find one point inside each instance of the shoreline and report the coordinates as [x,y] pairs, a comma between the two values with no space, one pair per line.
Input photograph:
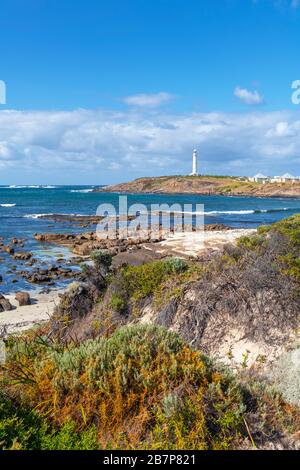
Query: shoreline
[23,318]
[186,193]
[186,245]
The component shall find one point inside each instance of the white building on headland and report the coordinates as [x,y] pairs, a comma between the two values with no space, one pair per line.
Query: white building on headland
[195,163]
[259,178]
[286,178]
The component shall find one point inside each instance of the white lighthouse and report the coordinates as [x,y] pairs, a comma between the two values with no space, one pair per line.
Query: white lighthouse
[195,163]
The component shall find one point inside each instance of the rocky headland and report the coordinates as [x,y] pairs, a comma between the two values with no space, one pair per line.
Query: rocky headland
[205,185]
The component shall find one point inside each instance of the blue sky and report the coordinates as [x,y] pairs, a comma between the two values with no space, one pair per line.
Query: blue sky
[108,90]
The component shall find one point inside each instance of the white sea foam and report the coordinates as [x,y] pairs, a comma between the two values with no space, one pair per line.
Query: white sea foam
[208,213]
[236,212]
[81,190]
[38,216]
[7,205]
[211,212]
[35,216]
[15,186]
[242,212]
[30,186]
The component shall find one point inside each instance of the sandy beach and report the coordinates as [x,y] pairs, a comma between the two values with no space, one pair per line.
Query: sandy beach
[23,318]
[195,244]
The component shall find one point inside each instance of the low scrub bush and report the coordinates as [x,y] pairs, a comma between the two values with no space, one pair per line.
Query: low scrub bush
[250,242]
[102,263]
[101,258]
[289,232]
[19,427]
[141,388]
[118,303]
[175,265]
[286,376]
[149,279]
[142,281]
[290,228]
[24,429]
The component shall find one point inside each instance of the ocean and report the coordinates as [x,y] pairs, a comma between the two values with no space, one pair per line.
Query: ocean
[21,205]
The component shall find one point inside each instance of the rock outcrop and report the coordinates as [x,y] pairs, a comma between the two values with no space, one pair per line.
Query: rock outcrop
[5,304]
[23,298]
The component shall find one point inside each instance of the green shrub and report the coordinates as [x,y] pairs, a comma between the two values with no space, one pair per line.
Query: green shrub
[68,438]
[19,427]
[264,229]
[102,260]
[142,281]
[290,228]
[175,265]
[250,242]
[23,429]
[118,303]
[290,265]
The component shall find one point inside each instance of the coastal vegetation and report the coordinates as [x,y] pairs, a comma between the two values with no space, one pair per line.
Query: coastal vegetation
[134,356]
[143,387]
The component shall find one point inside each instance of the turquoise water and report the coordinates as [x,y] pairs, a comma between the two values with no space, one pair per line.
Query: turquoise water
[19,207]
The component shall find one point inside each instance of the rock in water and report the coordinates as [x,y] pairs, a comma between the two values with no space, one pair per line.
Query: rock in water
[9,250]
[23,298]
[22,255]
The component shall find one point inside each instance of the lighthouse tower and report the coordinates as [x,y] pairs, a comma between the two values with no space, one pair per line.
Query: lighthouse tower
[195,163]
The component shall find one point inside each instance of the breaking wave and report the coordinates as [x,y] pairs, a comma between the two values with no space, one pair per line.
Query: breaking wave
[238,212]
[81,190]
[32,186]
[255,211]
[35,216]
[50,214]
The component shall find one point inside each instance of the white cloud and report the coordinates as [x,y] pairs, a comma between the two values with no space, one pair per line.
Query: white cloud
[130,144]
[148,100]
[284,129]
[248,97]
